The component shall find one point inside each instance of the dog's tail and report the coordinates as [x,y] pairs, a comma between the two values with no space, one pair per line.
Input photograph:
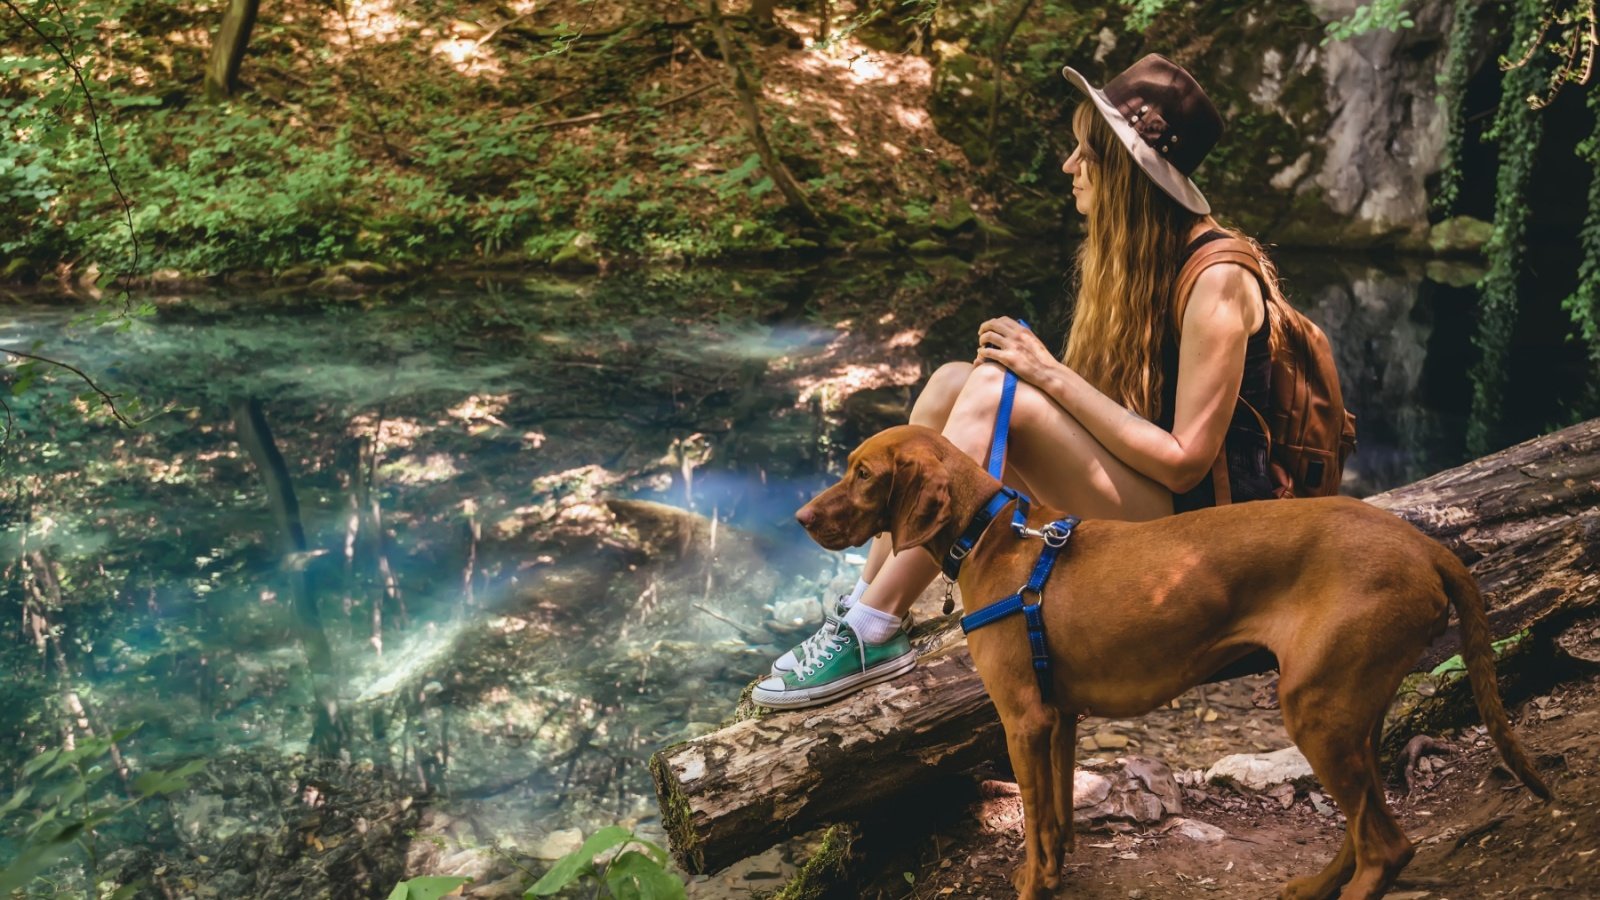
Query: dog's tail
[1478,655]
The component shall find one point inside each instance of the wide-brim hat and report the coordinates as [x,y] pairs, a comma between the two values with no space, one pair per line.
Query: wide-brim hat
[1164,118]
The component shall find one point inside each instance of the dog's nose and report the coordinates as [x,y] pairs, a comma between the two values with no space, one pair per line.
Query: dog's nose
[804,515]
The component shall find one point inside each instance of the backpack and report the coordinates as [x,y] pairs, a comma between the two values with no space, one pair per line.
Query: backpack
[1309,432]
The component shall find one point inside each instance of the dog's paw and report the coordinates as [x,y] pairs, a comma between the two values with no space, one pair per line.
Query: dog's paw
[1032,884]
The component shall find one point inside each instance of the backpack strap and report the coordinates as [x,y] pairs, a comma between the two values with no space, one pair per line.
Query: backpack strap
[1208,254]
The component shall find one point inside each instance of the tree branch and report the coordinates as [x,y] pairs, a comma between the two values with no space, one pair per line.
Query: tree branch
[109,400]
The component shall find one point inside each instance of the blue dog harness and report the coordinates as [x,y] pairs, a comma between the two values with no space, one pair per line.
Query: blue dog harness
[1055,536]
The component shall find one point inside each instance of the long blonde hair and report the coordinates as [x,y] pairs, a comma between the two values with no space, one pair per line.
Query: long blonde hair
[1127,269]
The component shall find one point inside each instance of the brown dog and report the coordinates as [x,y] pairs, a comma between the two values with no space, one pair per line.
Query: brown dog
[1347,596]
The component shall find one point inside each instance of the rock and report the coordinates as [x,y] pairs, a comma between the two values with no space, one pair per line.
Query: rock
[363,271]
[1459,236]
[1321,804]
[1089,788]
[557,844]
[1284,794]
[1139,790]
[1200,832]
[577,256]
[1157,778]
[1455,273]
[334,284]
[1260,771]
[1110,740]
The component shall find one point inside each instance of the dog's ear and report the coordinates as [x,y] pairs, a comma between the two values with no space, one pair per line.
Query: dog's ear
[919,502]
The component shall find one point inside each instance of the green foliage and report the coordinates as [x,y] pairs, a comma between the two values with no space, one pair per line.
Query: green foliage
[1452,81]
[428,887]
[63,801]
[630,875]
[1143,12]
[1456,664]
[1379,15]
[1584,302]
[1517,129]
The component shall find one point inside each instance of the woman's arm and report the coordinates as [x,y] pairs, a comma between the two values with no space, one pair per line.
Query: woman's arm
[1224,308]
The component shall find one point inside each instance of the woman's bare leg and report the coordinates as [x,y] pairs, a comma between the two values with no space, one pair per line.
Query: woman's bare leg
[1053,458]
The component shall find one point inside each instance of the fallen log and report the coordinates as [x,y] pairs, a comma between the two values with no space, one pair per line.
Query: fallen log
[1527,519]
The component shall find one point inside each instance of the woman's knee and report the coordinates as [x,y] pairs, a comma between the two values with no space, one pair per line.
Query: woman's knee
[939,395]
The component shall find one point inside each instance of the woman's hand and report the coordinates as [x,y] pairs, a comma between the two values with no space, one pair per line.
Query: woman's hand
[1011,344]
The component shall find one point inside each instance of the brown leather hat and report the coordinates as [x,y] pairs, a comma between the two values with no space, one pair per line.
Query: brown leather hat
[1164,118]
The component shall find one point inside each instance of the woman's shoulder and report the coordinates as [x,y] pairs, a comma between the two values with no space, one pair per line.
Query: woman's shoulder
[1227,290]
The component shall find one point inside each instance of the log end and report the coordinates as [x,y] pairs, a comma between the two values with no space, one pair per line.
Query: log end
[676,814]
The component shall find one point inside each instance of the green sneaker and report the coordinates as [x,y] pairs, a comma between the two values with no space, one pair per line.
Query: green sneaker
[797,655]
[840,665]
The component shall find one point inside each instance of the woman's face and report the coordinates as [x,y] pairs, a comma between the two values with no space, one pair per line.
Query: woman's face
[1079,166]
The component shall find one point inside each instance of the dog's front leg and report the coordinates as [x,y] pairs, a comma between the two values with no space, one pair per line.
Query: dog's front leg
[1063,761]
[1028,740]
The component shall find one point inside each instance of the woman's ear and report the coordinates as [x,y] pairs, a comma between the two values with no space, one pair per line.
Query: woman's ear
[919,500]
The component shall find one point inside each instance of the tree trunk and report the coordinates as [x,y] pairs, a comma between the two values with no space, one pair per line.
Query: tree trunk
[998,61]
[781,177]
[1526,519]
[227,51]
[328,729]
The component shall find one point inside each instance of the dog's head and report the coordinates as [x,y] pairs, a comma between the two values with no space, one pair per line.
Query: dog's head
[896,481]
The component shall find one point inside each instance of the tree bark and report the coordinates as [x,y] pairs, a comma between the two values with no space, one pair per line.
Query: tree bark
[1526,519]
[781,177]
[250,424]
[227,51]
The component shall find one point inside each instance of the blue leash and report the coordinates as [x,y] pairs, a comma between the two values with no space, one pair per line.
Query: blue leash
[1055,536]
[1002,422]
[951,564]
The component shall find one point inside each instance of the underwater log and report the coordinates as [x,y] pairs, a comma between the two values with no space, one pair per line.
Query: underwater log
[1526,519]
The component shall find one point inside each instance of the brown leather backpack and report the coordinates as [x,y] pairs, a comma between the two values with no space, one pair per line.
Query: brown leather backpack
[1309,432]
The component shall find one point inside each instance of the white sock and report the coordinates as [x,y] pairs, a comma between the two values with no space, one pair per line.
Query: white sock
[871,625]
[855,595]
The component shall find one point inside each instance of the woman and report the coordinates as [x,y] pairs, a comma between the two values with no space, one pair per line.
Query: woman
[1128,423]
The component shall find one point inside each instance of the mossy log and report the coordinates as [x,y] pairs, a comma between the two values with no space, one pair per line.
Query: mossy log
[1526,519]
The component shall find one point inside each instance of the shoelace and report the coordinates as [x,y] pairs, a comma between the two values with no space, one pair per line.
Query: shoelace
[813,663]
[813,642]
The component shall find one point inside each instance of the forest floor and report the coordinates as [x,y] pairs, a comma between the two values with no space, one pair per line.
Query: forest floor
[1478,832]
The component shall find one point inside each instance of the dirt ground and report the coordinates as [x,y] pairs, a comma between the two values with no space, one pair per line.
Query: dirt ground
[1479,833]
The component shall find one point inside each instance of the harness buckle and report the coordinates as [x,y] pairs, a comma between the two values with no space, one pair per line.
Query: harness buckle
[1054,536]
[959,552]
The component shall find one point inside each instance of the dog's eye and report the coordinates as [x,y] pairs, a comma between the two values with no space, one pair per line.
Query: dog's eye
[863,474]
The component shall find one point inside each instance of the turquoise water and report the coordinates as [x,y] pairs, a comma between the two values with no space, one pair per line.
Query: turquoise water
[547,524]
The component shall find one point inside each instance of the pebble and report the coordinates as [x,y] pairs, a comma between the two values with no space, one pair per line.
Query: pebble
[1201,832]
[1110,740]
[557,844]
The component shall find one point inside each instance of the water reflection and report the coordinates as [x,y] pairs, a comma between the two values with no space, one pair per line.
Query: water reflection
[544,525]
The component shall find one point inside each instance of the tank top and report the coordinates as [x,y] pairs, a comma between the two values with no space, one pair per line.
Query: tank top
[1245,444]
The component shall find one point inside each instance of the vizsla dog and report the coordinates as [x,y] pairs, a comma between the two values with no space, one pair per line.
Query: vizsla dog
[1347,596]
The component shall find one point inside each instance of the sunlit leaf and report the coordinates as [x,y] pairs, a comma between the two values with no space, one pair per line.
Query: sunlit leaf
[428,887]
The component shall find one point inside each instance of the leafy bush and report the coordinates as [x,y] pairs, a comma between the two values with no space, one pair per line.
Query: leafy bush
[630,875]
[59,808]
